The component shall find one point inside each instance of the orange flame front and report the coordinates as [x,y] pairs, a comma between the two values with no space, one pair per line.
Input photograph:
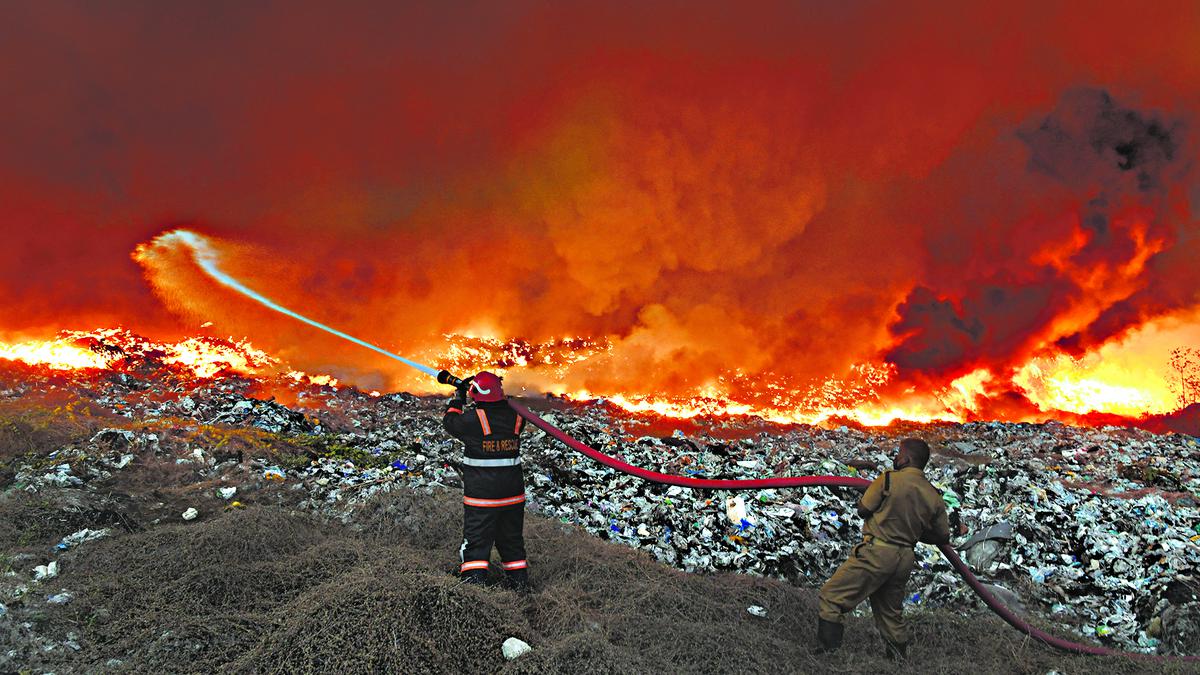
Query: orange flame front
[118,349]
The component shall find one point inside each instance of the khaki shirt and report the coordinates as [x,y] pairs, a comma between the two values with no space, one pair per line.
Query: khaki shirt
[905,509]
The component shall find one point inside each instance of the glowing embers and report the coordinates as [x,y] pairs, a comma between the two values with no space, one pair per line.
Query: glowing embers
[208,356]
[471,354]
[856,397]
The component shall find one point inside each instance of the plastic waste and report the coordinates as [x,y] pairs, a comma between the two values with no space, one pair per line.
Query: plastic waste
[1001,530]
[190,514]
[274,473]
[81,536]
[1008,597]
[514,648]
[735,509]
[60,598]
[226,492]
[43,572]
[757,611]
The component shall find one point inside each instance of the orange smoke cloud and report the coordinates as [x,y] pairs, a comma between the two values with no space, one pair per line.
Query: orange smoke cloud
[722,199]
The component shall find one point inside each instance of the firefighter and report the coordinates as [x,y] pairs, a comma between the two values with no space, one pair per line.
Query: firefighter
[899,509]
[493,484]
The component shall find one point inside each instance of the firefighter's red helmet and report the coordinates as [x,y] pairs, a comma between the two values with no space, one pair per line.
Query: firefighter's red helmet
[486,387]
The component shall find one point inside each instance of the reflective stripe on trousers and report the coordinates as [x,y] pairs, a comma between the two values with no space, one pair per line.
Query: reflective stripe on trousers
[494,503]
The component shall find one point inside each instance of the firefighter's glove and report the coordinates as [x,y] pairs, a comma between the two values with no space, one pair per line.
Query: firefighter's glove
[464,386]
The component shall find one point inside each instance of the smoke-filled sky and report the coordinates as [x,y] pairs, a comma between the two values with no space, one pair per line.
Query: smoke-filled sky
[784,187]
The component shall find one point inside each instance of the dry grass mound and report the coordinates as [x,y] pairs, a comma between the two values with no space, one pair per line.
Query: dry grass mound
[186,599]
[411,622]
[262,591]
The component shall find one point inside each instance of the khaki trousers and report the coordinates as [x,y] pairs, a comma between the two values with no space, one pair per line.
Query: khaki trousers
[874,570]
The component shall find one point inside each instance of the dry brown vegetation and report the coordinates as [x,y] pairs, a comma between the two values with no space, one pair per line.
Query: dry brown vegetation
[27,430]
[261,590]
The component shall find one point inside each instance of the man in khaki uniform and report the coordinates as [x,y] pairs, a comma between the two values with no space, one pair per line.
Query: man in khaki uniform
[899,509]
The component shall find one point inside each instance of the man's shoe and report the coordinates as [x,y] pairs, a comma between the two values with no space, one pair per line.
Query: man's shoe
[829,637]
[895,651]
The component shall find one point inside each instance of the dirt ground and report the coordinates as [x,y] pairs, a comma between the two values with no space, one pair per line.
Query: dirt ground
[261,590]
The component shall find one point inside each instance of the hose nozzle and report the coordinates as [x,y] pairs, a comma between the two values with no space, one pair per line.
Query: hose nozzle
[444,377]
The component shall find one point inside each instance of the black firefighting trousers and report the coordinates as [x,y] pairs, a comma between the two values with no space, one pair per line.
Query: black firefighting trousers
[503,527]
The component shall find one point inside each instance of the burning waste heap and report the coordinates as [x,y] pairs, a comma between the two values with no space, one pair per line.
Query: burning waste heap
[1093,531]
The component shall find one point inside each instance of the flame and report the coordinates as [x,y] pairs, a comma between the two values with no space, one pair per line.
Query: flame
[688,257]
[1125,377]
[833,400]
[318,380]
[53,354]
[207,357]
[472,353]
[789,202]
[1056,385]
[116,348]
[708,406]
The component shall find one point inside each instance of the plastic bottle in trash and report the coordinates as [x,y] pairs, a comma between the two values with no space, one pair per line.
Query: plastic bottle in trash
[735,509]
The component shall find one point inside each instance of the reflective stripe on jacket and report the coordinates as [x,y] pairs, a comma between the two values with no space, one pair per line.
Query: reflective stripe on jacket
[491,437]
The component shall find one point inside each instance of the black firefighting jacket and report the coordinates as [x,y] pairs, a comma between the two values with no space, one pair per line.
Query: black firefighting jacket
[491,461]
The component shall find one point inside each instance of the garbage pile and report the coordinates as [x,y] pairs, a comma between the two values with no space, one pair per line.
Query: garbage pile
[238,410]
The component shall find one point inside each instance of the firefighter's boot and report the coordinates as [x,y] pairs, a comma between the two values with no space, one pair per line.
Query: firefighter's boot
[829,637]
[517,580]
[478,577]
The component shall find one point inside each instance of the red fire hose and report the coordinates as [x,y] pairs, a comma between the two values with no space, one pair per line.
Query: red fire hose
[829,481]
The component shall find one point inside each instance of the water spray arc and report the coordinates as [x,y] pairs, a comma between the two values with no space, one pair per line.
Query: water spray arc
[207,258]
